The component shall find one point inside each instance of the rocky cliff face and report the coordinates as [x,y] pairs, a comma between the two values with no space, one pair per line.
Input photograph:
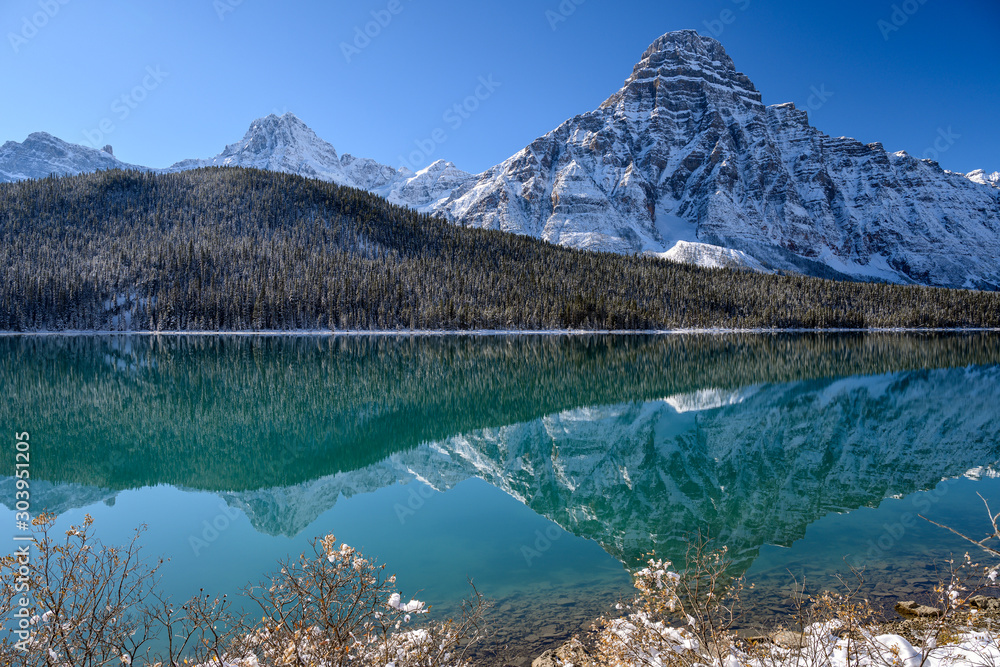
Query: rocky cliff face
[686,153]
[41,155]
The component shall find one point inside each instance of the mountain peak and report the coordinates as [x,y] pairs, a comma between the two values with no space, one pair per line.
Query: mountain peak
[688,40]
[286,129]
[980,176]
[284,143]
[42,154]
[287,119]
[682,68]
[277,143]
[685,162]
[43,136]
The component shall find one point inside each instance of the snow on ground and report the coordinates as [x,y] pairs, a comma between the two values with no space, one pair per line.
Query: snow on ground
[710,256]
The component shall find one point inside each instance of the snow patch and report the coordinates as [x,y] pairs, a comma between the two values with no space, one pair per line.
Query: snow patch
[710,257]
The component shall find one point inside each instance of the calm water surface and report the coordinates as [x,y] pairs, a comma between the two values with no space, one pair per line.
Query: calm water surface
[541,467]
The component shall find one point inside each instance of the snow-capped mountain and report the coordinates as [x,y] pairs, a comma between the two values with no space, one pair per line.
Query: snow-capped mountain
[686,152]
[286,144]
[276,143]
[41,155]
[684,162]
[283,144]
[981,177]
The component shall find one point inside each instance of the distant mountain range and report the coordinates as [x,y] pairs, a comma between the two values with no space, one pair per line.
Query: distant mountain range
[274,143]
[684,162]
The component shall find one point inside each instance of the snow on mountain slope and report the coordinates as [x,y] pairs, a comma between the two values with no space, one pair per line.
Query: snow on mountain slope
[59,498]
[276,143]
[981,177]
[286,144]
[711,256]
[687,139]
[41,155]
[427,189]
[709,399]
[641,476]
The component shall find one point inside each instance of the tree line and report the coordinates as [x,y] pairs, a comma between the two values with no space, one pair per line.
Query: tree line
[244,249]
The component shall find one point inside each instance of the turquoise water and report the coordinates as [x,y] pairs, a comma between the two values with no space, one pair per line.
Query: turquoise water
[540,467]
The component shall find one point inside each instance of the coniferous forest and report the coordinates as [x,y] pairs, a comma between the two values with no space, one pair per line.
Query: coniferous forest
[242,249]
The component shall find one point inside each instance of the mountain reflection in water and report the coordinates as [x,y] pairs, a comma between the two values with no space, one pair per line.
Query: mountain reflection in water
[634,442]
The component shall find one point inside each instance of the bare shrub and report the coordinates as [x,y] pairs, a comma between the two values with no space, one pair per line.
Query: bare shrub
[685,618]
[679,618]
[89,601]
[95,605]
[335,607]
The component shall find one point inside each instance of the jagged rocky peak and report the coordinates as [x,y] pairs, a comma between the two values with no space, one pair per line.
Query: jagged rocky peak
[272,131]
[278,143]
[44,144]
[42,154]
[685,63]
[440,168]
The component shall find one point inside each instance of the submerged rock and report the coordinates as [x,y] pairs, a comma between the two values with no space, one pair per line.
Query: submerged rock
[984,603]
[912,609]
[570,653]
[789,639]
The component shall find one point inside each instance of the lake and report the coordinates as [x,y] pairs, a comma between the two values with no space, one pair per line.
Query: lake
[540,467]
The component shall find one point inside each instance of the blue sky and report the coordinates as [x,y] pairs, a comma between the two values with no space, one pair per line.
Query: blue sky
[163,80]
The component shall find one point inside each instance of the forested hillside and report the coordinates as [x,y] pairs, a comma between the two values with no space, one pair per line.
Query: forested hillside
[241,249]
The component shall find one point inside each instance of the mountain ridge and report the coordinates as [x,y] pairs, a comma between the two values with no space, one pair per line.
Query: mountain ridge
[683,162]
[686,152]
[286,144]
[42,154]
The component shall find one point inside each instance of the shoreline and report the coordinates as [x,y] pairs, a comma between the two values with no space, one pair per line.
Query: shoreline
[329,333]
